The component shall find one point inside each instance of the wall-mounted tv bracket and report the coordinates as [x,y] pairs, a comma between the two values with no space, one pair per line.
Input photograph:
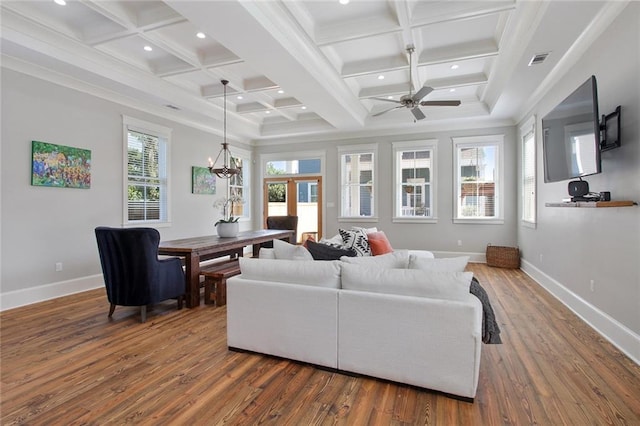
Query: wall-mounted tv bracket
[610,130]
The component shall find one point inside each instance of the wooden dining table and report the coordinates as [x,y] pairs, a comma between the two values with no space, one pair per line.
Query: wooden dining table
[197,249]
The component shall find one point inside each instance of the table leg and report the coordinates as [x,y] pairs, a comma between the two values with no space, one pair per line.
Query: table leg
[192,270]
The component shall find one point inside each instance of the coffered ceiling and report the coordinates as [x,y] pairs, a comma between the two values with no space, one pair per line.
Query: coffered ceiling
[308,69]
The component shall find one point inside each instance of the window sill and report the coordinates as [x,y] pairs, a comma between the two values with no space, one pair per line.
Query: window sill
[527,224]
[149,223]
[414,219]
[476,221]
[358,219]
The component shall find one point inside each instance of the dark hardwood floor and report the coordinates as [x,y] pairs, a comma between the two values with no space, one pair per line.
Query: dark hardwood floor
[63,362]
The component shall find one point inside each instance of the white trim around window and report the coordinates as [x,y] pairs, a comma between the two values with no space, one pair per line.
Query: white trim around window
[364,149]
[247,161]
[423,210]
[528,173]
[163,134]
[493,164]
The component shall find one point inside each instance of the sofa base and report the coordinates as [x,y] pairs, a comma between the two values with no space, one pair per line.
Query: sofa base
[351,374]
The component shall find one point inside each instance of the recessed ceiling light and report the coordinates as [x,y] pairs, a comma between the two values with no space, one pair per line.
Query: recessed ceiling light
[452,90]
[267,112]
[389,97]
[148,48]
[201,35]
[281,91]
[240,97]
[455,66]
[304,107]
[381,77]
[344,1]
[60,2]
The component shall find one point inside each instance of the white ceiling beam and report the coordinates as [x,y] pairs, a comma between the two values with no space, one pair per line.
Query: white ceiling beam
[263,34]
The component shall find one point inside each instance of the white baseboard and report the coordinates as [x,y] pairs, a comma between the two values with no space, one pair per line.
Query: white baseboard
[27,296]
[473,257]
[612,330]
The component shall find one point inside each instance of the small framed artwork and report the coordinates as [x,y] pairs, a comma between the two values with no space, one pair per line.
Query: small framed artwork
[202,181]
[60,166]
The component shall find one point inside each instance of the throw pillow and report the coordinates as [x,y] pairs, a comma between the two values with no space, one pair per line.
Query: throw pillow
[335,241]
[379,243]
[356,240]
[266,253]
[285,251]
[450,264]
[407,282]
[366,230]
[321,251]
[397,259]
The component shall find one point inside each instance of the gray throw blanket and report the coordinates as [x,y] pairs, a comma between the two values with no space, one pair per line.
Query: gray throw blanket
[490,329]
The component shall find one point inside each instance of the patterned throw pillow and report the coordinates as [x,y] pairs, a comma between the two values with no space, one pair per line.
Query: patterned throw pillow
[356,240]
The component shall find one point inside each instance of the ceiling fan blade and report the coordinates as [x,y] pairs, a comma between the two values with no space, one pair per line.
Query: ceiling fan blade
[440,103]
[424,91]
[387,110]
[386,100]
[417,113]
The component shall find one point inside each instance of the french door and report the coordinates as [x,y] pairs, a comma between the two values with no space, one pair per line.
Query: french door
[295,196]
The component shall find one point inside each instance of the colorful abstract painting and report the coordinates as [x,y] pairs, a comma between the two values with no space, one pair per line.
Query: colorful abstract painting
[60,166]
[202,181]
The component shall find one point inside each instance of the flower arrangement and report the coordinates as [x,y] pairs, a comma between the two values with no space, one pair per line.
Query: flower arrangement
[225,205]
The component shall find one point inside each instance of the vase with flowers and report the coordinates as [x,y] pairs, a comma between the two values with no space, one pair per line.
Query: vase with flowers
[228,226]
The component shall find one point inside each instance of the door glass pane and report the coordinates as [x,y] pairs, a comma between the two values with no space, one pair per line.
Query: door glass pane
[277,201]
[307,208]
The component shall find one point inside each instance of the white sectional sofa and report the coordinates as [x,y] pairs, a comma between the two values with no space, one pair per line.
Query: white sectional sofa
[406,325]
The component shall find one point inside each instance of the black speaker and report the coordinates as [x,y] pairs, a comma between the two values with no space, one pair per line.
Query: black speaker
[578,188]
[605,196]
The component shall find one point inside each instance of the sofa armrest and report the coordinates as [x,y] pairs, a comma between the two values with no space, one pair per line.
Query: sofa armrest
[430,343]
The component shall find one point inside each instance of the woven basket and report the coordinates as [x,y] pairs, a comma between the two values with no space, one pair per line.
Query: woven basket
[503,257]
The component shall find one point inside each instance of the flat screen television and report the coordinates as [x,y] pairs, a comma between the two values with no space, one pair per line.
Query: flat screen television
[571,136]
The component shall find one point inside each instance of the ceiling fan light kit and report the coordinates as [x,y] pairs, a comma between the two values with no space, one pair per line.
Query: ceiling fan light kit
[414,101]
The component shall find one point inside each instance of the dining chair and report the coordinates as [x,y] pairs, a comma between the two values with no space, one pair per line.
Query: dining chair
[282,222]
[133,274]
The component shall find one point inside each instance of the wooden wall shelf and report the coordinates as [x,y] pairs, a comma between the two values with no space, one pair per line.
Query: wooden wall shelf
[593,204]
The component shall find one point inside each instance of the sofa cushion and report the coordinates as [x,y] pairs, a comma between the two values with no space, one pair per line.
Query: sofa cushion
[449,264]
[321,251]
[396,259]
[379,243]
[303,272]
[285,251]
[407,282]
[356,240]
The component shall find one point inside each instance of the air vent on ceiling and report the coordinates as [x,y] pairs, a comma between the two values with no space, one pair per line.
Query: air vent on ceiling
[173,107]
[538,58]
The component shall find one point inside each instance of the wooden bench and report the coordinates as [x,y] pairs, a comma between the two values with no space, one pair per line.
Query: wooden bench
[215,280]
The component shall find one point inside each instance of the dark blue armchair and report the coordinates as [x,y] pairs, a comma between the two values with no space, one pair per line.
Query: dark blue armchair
[133,274]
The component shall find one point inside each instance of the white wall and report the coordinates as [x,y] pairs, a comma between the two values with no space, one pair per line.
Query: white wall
[571,247]
[42,225]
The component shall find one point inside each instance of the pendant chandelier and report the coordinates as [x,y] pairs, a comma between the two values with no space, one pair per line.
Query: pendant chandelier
[229,167]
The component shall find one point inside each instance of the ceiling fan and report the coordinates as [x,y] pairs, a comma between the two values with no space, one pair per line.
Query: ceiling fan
[414,101]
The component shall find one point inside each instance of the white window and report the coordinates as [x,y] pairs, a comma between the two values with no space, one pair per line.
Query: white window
[478,176]
[528,150]
[414,181]
[239,184]
[357,181]
[146,192]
